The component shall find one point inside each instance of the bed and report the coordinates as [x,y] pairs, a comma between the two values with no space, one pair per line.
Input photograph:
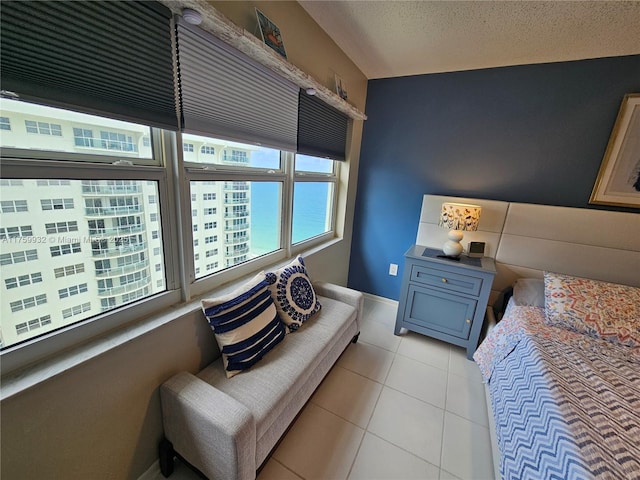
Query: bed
[566,398]
[562,377]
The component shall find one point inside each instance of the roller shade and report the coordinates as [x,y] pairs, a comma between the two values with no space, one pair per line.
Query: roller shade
[322,130]
[226,94]
[109,58]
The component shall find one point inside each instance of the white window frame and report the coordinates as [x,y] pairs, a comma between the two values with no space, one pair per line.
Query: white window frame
[16,232]
[64,203]
[43,128]
[5,124]
[332,178]
[14,206]
[23,280]
[68,270]
[18,164]
[20,257]
[202,172]
[168,169]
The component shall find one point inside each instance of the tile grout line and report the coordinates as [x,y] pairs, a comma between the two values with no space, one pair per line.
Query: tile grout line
[366,430]
[444,416]
[384,385]
[288,469]
[403,449]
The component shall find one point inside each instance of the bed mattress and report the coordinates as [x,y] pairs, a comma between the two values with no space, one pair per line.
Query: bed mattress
[565,405]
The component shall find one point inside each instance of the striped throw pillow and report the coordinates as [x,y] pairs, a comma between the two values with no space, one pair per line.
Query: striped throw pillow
[245,323]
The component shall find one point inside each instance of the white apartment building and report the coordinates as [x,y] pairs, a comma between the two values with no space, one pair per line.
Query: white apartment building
[98,243]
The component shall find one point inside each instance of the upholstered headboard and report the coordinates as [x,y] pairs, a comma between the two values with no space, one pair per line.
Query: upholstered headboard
[527,239]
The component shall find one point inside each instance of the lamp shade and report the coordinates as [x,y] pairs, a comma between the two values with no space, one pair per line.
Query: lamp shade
[459,216]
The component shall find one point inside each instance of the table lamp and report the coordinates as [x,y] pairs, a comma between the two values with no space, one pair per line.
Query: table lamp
[458,217]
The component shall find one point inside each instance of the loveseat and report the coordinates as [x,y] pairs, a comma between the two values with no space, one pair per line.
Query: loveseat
[227,427]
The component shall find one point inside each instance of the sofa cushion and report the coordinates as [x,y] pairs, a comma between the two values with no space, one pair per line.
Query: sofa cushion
[600,309]
[267,388]
[246,324]
[293,294]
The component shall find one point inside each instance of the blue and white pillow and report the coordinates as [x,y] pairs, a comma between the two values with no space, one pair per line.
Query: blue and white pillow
[293,294]
[245,323]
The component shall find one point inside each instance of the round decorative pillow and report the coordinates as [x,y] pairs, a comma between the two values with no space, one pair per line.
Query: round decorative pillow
[293,294]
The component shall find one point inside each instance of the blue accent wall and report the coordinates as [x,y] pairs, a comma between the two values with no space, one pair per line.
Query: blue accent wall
[532,134]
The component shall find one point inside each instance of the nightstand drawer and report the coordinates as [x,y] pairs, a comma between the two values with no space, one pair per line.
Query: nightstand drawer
[455,282]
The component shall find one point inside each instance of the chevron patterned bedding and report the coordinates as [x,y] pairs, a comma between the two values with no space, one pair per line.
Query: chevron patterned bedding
[566,405]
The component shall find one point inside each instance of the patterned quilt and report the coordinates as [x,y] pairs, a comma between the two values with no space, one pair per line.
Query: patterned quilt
[566,405]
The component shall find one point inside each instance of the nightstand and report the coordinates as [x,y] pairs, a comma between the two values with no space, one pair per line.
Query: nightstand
[445,299]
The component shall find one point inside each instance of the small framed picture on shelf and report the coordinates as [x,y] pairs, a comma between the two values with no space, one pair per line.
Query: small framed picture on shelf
[341,88]
[270,33]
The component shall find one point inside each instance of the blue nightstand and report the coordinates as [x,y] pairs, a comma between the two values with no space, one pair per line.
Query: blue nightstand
[445,299]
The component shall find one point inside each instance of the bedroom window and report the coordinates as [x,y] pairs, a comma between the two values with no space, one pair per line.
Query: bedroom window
[313,197]
[110,238]
[229,154]
[102,227]
[247,216]
[98,214]
[261,203]
[88,137]
[240,201]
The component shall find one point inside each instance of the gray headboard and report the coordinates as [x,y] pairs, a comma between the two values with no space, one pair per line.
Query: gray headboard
[527,239]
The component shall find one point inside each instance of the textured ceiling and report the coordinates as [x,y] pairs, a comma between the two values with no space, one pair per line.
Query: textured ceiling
[398,38]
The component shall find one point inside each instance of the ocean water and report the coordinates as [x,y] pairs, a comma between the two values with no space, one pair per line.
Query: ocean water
[310,213]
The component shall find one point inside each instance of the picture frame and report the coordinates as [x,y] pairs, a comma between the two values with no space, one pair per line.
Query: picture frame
[618,180]
[270,33]
[341,88]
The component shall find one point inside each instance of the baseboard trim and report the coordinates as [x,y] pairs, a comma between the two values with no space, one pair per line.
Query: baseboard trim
[152,473]
[376,298]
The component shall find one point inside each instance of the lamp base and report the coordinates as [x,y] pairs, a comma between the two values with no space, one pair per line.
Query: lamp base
[453,247]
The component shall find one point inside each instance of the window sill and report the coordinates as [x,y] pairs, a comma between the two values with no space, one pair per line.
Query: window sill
[18,381]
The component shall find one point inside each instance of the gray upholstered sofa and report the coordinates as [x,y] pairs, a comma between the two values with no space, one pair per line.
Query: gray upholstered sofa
[226,427]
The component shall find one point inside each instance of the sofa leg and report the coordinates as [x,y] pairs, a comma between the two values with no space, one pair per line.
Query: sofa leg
[166,455]
[355,338]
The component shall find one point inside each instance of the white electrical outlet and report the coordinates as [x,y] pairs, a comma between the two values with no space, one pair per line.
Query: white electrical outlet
[393,269]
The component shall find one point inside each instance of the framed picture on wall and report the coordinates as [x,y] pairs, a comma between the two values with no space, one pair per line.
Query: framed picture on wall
[618,181]
[270,33]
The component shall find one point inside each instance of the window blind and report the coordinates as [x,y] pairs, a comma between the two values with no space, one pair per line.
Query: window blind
[109,58]
[322,130]
[225,93]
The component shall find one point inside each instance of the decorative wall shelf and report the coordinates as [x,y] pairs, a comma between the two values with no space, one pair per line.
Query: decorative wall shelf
[219,25]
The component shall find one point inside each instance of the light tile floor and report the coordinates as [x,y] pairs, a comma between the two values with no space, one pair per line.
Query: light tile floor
[393,407]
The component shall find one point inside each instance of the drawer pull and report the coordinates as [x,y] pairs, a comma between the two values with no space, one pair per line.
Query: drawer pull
[468,321]
[444,280]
